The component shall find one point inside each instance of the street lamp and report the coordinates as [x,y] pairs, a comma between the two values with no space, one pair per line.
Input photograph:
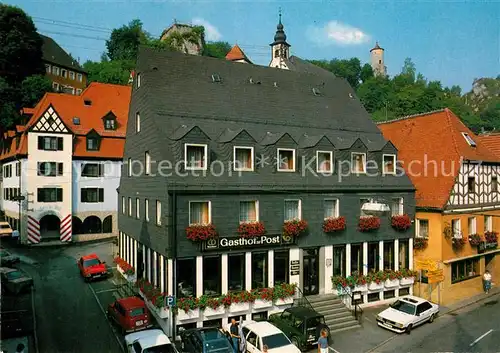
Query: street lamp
[375,208]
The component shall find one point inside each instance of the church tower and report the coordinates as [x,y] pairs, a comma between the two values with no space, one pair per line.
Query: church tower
[280,49]
[377,61]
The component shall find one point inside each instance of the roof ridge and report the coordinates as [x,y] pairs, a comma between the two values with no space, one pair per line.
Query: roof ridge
[448,120]
[411,116]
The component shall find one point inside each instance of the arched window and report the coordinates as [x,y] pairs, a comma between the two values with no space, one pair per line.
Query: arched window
[77,225]
[92,225]
[107,224]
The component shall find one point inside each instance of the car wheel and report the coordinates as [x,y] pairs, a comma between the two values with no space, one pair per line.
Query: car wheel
[296,343]
[431,319]
[408,329]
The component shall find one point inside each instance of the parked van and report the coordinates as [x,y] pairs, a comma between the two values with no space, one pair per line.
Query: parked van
[5,229]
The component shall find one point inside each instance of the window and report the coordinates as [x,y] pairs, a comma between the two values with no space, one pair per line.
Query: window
[456,228]
[158,213]
[186,277]
[471,185]
[422,228]
[92,144]
[46,143]
[79,77]
[138,80]
[47,68]
[292,210]
[18,168]
[55,70]
[389,255]
[404,253]
[358,162]
[146,210]
[64,73]
[373,257]
[243,158]
[249,211]
[281,266]
[137,122]
[55,86]
[129,167]
[488,223]
[93,170]
[331,208]
[110,124]
[92,195]
[236,272]
[465,269]
[357,258]
[469,139]
[471,225]
[286,160]
[494,184]
[339,263]
[195,157]
[199,212]
[72,75]
[137,208]
[130,207]
[49,194]
[259,270]
[147,160]
[324,161]
[212,275]
[123,205]
[78,91]
[397,206]
[389,164]
[49,169]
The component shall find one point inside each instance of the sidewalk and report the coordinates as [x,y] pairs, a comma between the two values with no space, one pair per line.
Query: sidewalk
[370,335]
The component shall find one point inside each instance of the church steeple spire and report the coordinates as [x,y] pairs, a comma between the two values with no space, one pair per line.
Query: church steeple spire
[280,36]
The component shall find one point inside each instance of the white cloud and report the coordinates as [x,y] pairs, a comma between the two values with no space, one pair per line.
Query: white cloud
[337,32]
[211,32]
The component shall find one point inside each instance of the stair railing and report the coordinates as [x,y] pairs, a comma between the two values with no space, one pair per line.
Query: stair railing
[357,308]
[301,299]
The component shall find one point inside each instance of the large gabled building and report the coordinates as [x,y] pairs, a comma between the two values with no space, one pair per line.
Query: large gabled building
[213,142]
[65,164]
[457,199]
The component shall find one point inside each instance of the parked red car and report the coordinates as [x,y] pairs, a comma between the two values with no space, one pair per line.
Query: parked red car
[131,314]
[91,267]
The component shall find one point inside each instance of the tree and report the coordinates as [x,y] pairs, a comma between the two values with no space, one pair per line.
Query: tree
[115,71]
[366,73]
[217,49]
[20,45]
[124,42]
[7,105]
[33,89]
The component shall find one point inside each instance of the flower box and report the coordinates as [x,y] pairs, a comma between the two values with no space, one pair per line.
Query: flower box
[251,229]
[375,286]
[360,288]
[214,312]
[391,283]
[368,223]
[407,281]
[286,301]
[239,307]
[129,278]
[294,228]
[191,314]
[262,304]
[162,313]
[334,224]
[201,232]
[401,222]
[420,243]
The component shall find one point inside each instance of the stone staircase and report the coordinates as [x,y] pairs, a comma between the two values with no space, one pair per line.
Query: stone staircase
[337,316]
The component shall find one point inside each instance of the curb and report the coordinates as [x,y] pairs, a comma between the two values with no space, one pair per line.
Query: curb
[439,317]
[68,244]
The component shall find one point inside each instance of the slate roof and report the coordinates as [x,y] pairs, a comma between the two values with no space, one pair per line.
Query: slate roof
[54,54]
[435,136]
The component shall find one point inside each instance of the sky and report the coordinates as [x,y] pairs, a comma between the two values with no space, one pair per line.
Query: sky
[454,42]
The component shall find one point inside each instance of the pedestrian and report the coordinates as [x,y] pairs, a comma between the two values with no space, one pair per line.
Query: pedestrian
[20,348]
[234,331]
[487,281]
[323,342]
[264,349]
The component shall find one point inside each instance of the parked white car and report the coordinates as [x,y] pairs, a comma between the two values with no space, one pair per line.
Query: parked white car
[262,333]
[149,341]
[406,313]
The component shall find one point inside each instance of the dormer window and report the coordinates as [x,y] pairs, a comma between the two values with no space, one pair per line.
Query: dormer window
[358,162]
[324,160]
[286,160]
[92,144]
[195,156]
[389,164]
[469,139]
[110,124]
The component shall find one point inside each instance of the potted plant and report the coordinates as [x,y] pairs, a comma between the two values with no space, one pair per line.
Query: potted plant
[420,243]
[125,269]
[293,228]
[263,298]
[401,222]
[368,224]
[408,276]
[187,308]
[358,282]
[376,280]
[201,232]
[334,224]
[216,305]
[283,293]
[458,243]
[392,278]
[491,237]
[251,229]
[475,239]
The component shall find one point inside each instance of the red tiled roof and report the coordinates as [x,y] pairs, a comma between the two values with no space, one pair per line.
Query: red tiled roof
[435,136]
[492,142]
[104,98]
[236,54]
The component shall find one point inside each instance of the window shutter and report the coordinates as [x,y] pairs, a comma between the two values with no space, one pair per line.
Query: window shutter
[59,169]
[40,142]
[59,143]
[59,193]
[101,170]
[39,195]
[101,195]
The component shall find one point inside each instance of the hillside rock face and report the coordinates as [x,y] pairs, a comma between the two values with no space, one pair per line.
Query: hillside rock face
[485,92]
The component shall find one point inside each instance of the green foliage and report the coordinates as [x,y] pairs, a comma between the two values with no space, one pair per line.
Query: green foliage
[33,88]
[125,41]
[115,71]
[217,49]
[350,69]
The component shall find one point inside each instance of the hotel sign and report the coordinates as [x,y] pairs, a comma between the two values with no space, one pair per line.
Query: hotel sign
[233,243]
[484,246]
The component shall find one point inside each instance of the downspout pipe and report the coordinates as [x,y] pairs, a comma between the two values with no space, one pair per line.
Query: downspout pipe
[174,258]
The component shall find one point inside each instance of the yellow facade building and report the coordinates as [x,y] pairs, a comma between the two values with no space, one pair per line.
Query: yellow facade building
[458,203]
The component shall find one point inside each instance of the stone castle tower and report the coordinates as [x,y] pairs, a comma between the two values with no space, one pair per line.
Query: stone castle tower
[377,61]
[280,49]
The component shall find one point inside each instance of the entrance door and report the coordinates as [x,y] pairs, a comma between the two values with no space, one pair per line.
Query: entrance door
[140,262]
[487,260]
[310,266]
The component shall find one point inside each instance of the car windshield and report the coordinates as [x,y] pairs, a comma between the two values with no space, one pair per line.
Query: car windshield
[404,307]
[5,226]
[275,341]
[165,348]
[91,262]
[220,345]
[136,312]
[14,275]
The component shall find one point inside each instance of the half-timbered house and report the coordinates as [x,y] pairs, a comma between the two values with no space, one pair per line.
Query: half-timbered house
[457,199]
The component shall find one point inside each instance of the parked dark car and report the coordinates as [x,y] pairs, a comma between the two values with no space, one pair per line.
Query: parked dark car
[205,340]
[14,280]
[302,325]
[7,259]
